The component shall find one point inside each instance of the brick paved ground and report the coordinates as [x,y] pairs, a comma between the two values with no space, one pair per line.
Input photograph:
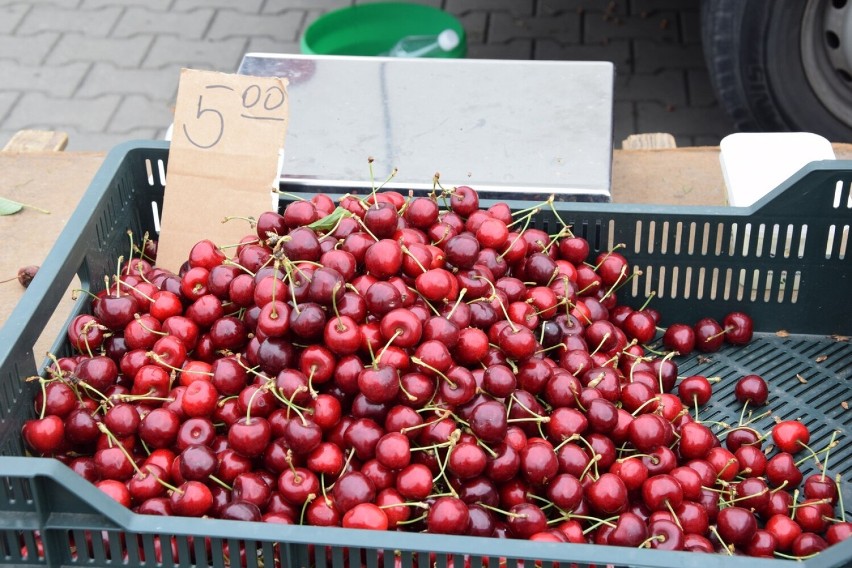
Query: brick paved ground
[106,71]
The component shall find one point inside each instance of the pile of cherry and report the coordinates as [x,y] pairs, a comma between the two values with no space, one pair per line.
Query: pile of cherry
[422,364]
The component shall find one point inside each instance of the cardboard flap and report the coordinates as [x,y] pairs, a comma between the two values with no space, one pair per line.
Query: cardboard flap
[223,161]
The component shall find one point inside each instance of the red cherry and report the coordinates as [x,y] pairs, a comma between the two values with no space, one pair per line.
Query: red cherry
[739,328]
[736,525]
[679,337]
[791,436]
[365,516]
[695,389]
[752,388]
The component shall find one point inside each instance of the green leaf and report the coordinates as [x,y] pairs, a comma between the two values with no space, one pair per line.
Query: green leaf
[9,207]
[329,222]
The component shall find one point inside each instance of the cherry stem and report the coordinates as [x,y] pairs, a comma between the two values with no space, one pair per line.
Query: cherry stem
[815,454]
[592,462]
[531,212]
[218,481]
[422,363]
[791,557]
[364,226]
[503,512]
[250,220]
[793,505]
[339,326]
[827,451]
[90,388]
[512,244]
[307,502]
[653,538]
[644,404]
[114,441]
[414,258]
[138,319]
[602,341]
[742,412]
[485,447]
[43,385]
[648,300]
[414,520]
[608,522]
[462,292]
[396,334]
[565,226]
[729,463]
[724,545]
[840,497]
[314,393]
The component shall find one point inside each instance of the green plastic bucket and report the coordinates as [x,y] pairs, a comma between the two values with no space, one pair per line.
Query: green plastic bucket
[372,29]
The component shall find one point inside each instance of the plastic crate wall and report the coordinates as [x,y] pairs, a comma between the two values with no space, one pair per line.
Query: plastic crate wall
[78,525]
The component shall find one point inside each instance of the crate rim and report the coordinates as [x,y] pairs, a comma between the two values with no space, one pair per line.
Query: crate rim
[125,520]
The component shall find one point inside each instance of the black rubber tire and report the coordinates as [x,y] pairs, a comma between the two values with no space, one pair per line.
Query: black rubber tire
[753,54]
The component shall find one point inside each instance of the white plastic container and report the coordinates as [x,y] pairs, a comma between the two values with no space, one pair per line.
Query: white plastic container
[755,163]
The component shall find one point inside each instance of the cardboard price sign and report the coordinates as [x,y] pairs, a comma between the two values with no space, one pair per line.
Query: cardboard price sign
[223,160]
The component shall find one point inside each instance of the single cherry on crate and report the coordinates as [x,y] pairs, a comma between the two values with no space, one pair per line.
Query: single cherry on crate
[791,436]
[752,388]
[709,335]
[738,327]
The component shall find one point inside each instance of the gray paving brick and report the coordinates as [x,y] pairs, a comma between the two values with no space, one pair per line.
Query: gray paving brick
[107,79]
[82,140]
[564,28]
[232,24]
[36,110]
[30,50]
[699,88]
[514,7]
[666,87]
[276,6]
[222,54]
[126,52]
[517,49]
[269,45]
[248,6]
[690,25]
[549,7]
[136,111]
[60,3]
[58,81]
[11,16]
[651,6]
[623,121]
[683,121]
[435,3]
[616,51]
[474,24]
[7,99]
[97,22]
[651,56]
[149,4]
[135,21]
[660,27]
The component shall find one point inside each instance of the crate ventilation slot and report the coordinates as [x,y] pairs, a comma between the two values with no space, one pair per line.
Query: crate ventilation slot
[842,240]
[838,195]
[714,284]
[710,239]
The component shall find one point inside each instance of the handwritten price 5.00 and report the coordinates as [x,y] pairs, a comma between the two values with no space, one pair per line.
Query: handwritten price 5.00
[252,96]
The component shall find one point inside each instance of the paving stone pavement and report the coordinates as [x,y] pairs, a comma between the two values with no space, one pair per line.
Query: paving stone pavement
[106,71]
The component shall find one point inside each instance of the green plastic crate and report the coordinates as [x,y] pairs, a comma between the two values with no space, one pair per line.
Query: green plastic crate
[701,261]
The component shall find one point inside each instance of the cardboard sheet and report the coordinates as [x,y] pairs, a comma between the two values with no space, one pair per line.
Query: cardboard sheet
[223,160]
